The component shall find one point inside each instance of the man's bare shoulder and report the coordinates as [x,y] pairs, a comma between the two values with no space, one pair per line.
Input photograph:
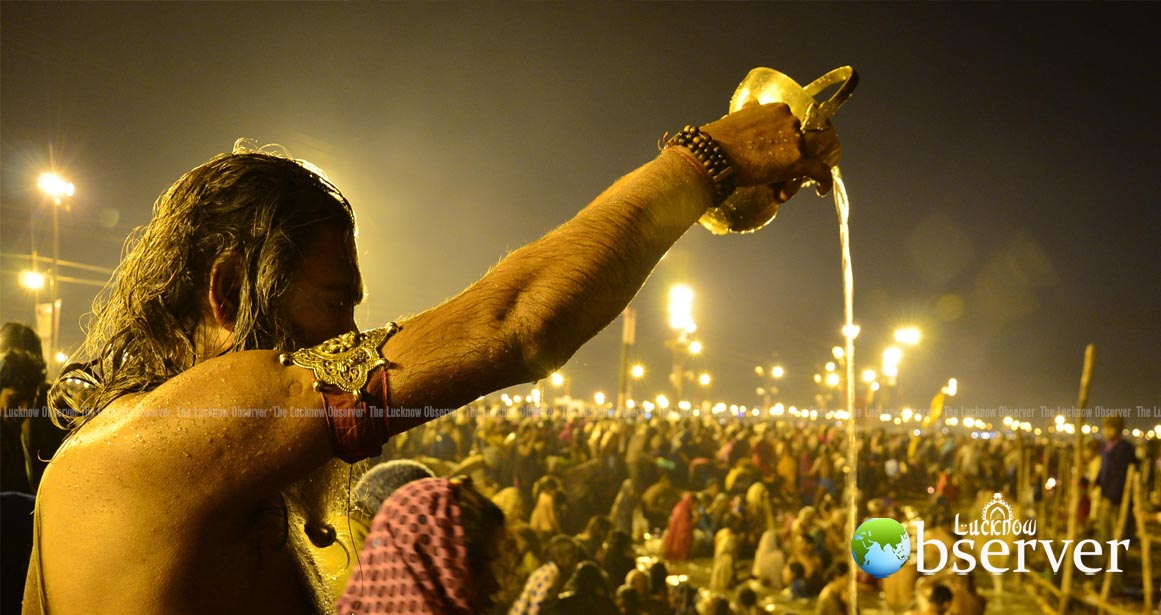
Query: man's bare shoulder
[141,444]
[103,508]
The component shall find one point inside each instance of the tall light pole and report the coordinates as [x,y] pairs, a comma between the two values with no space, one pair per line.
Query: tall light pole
[628,339]
[56,188]
[636,372]
[681,322]
[905,336]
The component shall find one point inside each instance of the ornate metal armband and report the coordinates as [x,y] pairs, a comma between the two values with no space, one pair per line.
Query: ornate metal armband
[344,362]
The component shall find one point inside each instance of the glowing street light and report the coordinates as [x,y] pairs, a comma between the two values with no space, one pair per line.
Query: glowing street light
[681,322]
[704,379]
[662,402]
[908,336]
[838,353]
[952,387]
[62,358]
[892,355]
[832,379]
[637,371]
[681,309]
[32,280]
[777,371]
[869,376]
[557,379]
[599,398]
[55,186]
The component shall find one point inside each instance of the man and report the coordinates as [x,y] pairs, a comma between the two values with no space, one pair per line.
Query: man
[832,600]
[30,438]
[1116,457]
[564,554]
[192,497]
[21,377]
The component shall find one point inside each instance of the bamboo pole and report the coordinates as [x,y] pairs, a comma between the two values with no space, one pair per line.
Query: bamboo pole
[1041,476]
[1074,479]
[1119,530]
[1021,479]
[1146,541]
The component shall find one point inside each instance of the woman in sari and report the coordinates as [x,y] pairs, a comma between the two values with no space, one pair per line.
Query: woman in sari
[679,536]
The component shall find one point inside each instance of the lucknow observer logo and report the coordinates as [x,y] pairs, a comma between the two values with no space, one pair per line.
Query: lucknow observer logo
[881,546]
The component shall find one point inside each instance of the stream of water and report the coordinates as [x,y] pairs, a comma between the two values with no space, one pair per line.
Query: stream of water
[842,207]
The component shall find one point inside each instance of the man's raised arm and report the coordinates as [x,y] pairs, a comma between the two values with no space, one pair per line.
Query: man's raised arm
[534,309]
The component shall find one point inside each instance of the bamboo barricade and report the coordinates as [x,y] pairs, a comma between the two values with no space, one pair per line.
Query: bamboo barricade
[1140,496]
[1134,485]
[1074,478]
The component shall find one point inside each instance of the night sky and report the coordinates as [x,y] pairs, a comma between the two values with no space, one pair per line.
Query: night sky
[1002,163]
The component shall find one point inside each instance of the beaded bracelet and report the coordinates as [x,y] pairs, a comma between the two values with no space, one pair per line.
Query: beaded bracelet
[713,160]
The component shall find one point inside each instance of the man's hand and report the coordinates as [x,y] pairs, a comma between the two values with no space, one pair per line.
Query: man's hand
[767,147]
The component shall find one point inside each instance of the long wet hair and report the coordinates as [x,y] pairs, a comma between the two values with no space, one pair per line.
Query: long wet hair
[256,205]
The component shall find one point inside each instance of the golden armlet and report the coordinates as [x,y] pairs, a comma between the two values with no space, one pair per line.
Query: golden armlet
[351,375]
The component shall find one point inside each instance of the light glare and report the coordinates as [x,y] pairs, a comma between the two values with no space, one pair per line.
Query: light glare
[55,186]
[32,280]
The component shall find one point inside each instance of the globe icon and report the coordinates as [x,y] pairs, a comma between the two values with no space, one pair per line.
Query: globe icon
[881,547]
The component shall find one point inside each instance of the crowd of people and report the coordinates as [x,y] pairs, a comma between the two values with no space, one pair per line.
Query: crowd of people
[630,513]
[541,510]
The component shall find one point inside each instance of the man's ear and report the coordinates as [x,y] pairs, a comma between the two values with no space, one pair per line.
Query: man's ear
[225,284]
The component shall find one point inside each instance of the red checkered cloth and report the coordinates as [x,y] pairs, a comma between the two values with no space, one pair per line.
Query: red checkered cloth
[414,560]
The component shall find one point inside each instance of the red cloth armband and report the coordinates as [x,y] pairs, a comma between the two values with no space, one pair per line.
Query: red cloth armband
[358,426]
